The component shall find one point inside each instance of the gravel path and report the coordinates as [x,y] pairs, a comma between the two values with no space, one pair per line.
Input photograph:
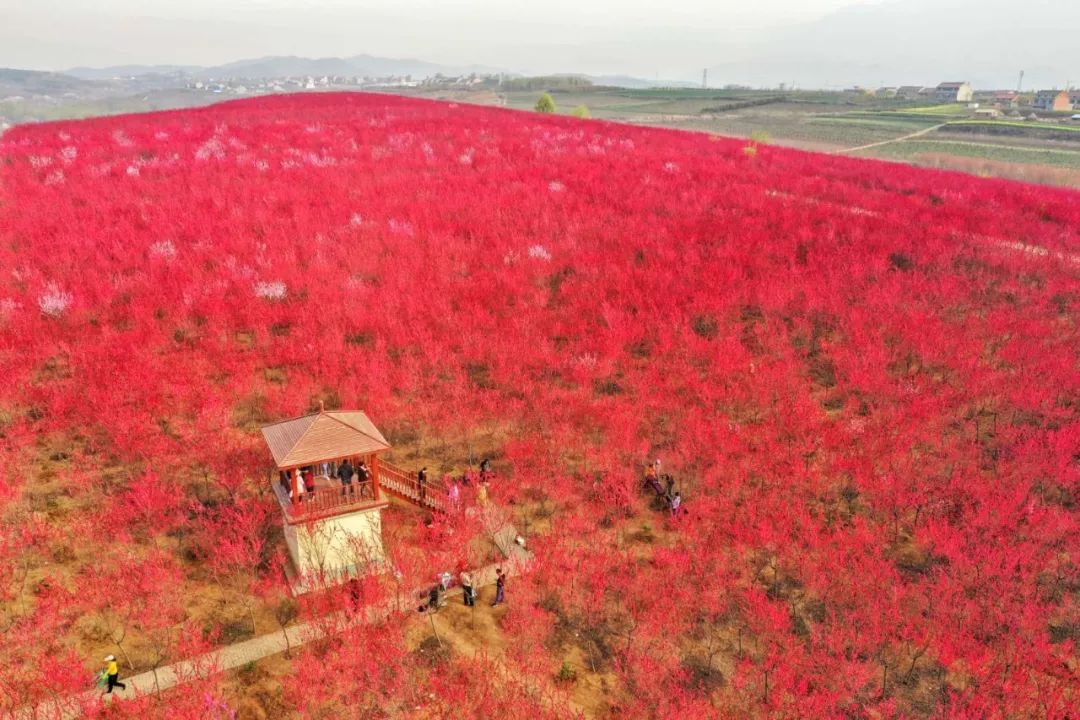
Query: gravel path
[919,133]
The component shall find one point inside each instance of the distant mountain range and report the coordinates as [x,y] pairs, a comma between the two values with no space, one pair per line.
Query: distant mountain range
[357,65]
[364,65]
[37,84]
[635,83]
[119,80]
[287,66]
[129,71]
[34,82]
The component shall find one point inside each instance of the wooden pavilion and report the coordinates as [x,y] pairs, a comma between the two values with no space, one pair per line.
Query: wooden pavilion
[333,528]
[319,444]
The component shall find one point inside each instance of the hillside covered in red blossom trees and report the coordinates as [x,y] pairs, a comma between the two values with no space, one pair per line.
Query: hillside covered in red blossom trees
[864,378]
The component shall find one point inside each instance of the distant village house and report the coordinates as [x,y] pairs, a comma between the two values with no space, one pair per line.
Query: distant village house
[1006,98]
[998,98]
[1053,100]
[910,92]
[949,92]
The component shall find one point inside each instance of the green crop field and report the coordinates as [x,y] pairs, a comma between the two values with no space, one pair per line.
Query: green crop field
[910,149]
[946,110]
[1023,125]
[902,125]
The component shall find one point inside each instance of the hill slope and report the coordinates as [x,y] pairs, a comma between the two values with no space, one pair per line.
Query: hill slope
[29,83]
[861,376]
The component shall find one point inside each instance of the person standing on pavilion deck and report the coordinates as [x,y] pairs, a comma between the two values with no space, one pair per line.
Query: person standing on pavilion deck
[365,479]
[345,474]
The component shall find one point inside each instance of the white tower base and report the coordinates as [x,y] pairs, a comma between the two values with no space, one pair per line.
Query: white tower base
[330,550]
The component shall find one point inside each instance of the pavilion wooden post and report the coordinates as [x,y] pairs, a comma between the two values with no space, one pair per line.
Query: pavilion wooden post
[294,476]
[375,476]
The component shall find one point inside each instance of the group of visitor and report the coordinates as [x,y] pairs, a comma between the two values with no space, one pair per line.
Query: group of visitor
[666,495]
[454,484]
[346,473]
[436,596]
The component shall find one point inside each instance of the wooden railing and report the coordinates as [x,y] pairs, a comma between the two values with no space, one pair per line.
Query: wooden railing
[404,485]
[327,501]
[337,499]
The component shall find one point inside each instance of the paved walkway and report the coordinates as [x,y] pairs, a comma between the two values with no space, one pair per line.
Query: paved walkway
[241,653]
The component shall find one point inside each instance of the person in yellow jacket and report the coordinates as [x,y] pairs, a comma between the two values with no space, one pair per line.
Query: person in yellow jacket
[112,674]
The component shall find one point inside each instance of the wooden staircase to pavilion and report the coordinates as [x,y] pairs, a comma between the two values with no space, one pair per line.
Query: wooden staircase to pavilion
[402,484]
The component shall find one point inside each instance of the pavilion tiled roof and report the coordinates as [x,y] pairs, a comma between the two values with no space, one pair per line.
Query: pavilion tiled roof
[326,435]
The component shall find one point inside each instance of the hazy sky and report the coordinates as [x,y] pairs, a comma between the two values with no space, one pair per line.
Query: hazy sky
[822,43]
[609,35]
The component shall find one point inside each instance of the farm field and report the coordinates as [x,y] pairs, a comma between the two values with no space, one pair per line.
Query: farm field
[863,377]
[1056,157]
[828,122]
